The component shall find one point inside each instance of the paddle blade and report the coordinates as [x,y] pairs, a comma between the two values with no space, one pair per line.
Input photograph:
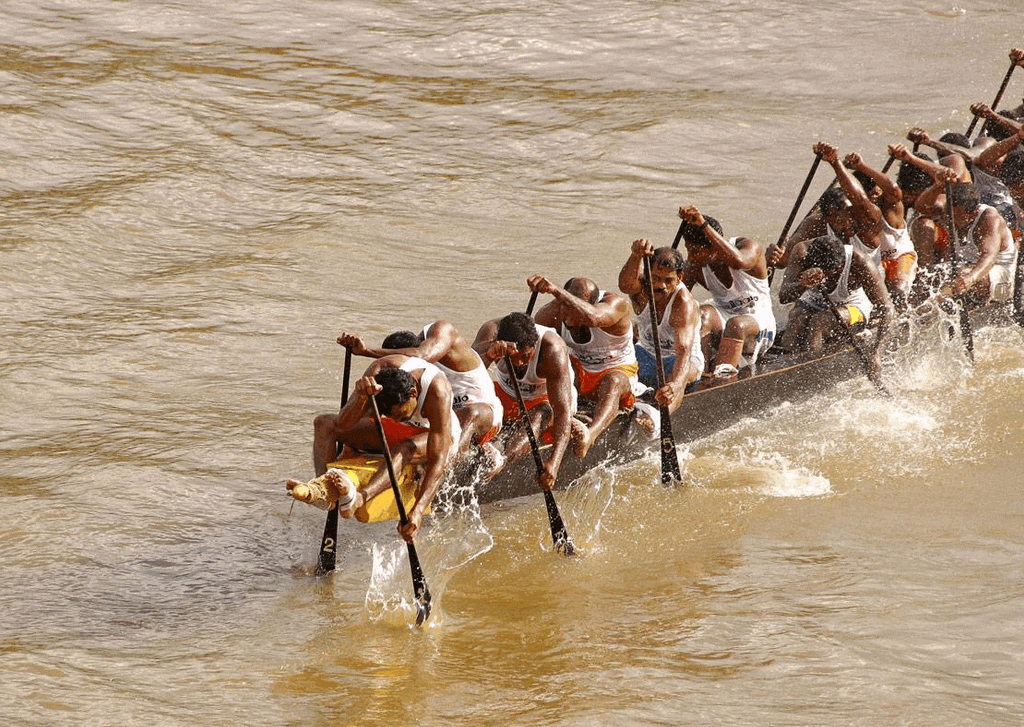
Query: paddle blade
[559,535]
[421,593]
[670,472]
[325,562]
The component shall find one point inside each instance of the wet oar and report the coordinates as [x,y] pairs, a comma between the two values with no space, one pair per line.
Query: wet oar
[966,331]
[852,338]
[669,458]
[796,208]
[419,583]
[679,234]
[999,95]
[329,543]
[559,535]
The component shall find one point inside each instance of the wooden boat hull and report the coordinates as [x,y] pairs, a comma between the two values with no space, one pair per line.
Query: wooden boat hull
[781,379]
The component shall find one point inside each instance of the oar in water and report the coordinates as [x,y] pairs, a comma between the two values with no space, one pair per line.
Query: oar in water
[559,535]
[796,208]
[669,458]
[329,543]
[865,359]
[419,583]
[966,331]
[999,95]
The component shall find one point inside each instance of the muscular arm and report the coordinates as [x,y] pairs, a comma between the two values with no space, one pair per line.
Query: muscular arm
[863,274]
[554,366]
[629,275]
[988,238]
[437,408]
[685,319]
[487,335]
[991,158]
[792,287]
[891,202]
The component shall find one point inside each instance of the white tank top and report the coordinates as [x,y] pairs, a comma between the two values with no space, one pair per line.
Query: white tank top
[968,252]
[895,242]
[748,295]
[604,350]
[666,334]
[532,385]
[843,295]
[470,386]
[429,372]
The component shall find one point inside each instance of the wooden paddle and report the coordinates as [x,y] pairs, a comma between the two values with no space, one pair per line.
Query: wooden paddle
[419,583]
[966,331]
[559,535]
[669,458]
[325,563]
[999,96]
[796,208]
[865,359]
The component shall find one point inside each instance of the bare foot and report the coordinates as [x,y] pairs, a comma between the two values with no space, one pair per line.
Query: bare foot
[644,421]
[316,492]
[580,437]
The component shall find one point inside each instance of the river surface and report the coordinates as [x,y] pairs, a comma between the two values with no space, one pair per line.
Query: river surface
[197,198]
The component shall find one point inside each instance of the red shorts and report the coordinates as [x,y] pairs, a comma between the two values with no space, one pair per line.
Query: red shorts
[587,381]
[397,431]
[511,406]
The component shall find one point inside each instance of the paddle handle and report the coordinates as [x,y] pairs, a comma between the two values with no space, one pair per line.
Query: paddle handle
[966,331]
[327,558]
[532,303]
[999,95]
[559,534]
[670,471]
[419,582]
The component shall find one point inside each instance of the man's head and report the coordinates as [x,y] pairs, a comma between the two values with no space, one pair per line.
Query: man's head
[518,328]
[666,266]
[398,397]
[837,211]
[964,201]
[402,339]
[913,180]
[825,253]
[1012,173]
[956,139]
[698,247]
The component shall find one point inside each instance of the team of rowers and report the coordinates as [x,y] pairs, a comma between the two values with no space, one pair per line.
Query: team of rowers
[871,249]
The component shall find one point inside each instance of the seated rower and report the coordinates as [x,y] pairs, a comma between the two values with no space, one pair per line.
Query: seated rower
[986,248]
[825,266]
[540,362]
[679,321]
[597,326]
[738,321]
[415,403]
[440,343]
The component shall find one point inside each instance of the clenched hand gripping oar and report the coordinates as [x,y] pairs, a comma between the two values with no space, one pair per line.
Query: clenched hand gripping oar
[852,337]
[796,208]
[966,331]
[329,543]
[669,458]
[999,95]
[419,583]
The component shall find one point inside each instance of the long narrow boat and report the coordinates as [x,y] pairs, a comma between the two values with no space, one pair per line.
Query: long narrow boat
[781,379]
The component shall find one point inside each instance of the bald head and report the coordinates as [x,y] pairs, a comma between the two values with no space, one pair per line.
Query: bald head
[583,288]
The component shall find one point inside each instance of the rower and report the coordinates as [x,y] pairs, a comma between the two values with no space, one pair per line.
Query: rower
[540,362]
[440,343]
[738,321]
[597,326]
[679,321]
[825,266]
[415,400]
[986,248]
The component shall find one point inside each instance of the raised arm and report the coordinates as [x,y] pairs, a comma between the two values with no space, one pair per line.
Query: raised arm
[991,158]
[891,195]
[629,276]
[862,204]
[746,255]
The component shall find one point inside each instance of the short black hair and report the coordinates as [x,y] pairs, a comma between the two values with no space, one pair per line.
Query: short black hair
[965,195]
[833,200]
[402,339]
[668,257]
[911,178]
[518,328]
[825,252]
[956,139]
[398,387]
[1012,169]
[694,234]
